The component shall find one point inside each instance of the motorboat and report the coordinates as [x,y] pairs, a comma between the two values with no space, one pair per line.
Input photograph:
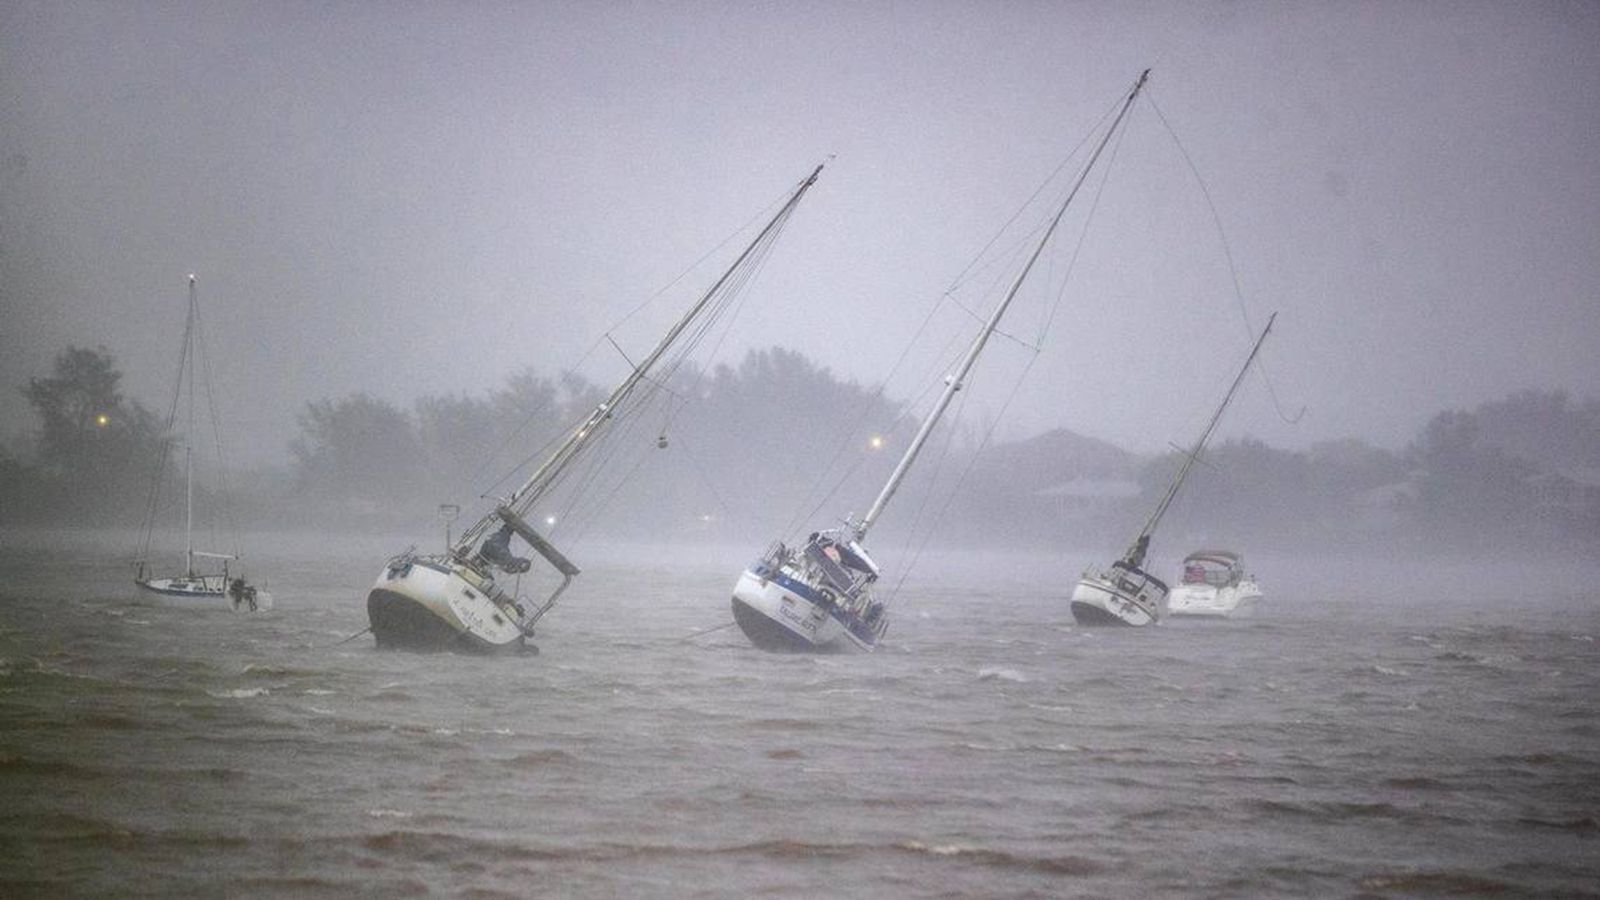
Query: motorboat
[1214,584]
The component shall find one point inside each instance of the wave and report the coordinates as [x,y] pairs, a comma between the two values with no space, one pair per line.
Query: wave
[1345,811]
[782,724]
[1585,825]
[1441,884]
[453,849]
[1541,759]
[264,670]
[538,759]
[996,673]
[1417,783]
[1053,865]
[22,765]
[240,693]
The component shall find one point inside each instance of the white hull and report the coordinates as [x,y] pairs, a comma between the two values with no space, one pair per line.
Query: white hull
[1202,600]
[202,590]
[437,604]
[1118,597]
[777,615]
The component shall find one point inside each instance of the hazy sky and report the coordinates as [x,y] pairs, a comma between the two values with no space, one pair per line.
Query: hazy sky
[408,198]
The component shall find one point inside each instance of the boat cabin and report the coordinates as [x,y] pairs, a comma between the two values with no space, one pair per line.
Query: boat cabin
[1217,568]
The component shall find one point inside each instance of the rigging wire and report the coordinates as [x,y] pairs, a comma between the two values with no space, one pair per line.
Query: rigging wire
[956,489]
[918,518]
[916,521]
[694,462]
[522,426]
[867,406]
[982,262]
[166,444]
[1227,252]
[1083,236]
[224,497]
[1110,111]
[583,480]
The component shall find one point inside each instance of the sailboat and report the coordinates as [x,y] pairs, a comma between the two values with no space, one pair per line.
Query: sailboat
[467,598]
[1125,594]
[819,597]
[206,575]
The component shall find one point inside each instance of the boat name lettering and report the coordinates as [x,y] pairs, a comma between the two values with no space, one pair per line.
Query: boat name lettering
[787,611]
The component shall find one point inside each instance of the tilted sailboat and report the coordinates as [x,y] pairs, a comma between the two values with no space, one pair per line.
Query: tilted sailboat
[218,584]
[1125,594]
[459,600]
[819,597]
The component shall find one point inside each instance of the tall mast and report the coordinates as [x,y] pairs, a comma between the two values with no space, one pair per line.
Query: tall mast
[188,442]
[1136,552]
[954,382]
[525,496]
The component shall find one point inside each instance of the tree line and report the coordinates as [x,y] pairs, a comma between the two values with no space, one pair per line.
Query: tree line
[756,447]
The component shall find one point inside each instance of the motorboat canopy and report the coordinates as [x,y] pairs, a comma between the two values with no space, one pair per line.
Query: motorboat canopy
[1217,568]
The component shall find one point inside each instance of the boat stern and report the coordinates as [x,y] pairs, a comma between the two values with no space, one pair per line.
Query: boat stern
[429,605]
[1102,599]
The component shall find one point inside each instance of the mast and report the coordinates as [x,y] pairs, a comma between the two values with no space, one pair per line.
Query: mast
[954,382]
[525,496]
[1135,554]
[188,442]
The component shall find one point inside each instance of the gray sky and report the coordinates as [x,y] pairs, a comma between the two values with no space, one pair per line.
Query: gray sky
[423,198]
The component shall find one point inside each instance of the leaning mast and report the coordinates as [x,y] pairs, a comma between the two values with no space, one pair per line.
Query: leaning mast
[1135,553]
[520,501]
[954,383]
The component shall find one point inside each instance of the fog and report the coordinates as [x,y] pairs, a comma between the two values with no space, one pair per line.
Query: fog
[423,201]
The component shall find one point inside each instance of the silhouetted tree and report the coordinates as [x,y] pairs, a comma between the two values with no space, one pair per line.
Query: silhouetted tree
[358,448]
[1466,490]
[1545,428]
[89,436]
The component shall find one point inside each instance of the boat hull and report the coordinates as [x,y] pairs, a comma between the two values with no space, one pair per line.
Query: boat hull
[432,606]
[779,615]
[1099,600]
[1205,601]
[207,591]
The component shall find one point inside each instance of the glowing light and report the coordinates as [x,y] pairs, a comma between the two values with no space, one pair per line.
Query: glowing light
[102,420]
[876,442]
[549,520]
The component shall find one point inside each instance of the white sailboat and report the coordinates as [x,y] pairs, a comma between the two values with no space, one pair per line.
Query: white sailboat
[467,599]
[216,584]
[818,597]
[1124,593]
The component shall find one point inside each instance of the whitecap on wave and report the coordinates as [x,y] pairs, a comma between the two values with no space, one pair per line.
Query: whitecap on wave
[240,693]
[997,673]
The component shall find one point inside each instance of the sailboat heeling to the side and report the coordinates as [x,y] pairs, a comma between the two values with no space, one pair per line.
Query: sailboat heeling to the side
[467,599]
[1124,593]
[214,583]
[819,596]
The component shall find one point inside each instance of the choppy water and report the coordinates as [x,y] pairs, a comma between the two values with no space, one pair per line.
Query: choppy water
[1427,734]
